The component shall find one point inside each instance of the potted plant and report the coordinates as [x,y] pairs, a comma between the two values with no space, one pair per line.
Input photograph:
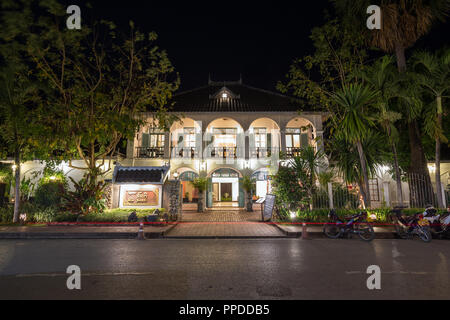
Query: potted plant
[186,197]
[248,185]
[201,184]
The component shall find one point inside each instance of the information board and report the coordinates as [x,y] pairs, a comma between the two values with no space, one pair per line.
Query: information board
[268,207]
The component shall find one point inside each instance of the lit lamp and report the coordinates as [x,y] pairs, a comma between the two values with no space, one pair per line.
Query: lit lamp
[176,175]
[14,167]
[53,178]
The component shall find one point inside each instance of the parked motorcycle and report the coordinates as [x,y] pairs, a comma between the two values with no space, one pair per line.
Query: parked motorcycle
[409,226]
[439,224]
[355,224]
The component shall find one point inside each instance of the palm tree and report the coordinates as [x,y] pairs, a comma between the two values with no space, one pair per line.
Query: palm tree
[355,123]
[346,157]
[383,78]
[432,73]
[403,23]
[248,184]
[201,184]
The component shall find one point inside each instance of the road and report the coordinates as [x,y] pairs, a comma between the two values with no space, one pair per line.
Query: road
[224,269]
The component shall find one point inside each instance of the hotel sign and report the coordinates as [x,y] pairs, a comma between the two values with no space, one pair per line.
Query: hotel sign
[142,198]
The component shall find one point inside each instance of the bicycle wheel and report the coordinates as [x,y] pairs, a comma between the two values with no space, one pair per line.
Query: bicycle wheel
[424,234]
[332,231]
[365,231]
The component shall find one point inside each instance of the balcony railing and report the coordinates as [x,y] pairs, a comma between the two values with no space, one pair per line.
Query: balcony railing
[293,152]
[189,153]
[150,152]
[223,152]
[261,153]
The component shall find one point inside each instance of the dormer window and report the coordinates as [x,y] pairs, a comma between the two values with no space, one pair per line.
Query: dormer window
[224,95]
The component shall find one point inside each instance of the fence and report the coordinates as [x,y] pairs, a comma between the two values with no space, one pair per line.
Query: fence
[342,198]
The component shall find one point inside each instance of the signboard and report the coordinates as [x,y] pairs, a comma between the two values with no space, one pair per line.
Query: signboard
[260,200]
[268,207]
[141,198]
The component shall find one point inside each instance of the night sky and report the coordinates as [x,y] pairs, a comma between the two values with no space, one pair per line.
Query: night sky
[227,38]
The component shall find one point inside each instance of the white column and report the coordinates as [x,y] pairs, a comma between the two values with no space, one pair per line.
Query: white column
[330,195]
[386,193]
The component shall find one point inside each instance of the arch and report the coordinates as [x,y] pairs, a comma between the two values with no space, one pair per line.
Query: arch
[261,174]
[236,174]
[221,122]
[188,175]
[299,121]
[264,122]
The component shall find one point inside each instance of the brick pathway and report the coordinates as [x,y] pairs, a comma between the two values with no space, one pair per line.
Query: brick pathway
[224,224]
[222,216]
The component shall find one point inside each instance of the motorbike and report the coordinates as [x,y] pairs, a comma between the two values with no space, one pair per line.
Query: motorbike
[409,226]
[355,224]
[439,224]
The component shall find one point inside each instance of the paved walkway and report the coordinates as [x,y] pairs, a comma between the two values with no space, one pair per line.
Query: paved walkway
[224,224]
[222,216]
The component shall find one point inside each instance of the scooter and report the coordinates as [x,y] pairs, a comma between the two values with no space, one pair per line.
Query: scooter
[409,226]
[439,224]
[355,224]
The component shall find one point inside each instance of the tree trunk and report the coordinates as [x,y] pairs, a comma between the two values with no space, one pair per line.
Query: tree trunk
[17,187]
[249,202]
[439,190]
[200,202]
[362,160]
[398,178]
[418,161]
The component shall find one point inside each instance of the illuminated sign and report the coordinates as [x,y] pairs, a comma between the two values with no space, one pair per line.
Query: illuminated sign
[142,198]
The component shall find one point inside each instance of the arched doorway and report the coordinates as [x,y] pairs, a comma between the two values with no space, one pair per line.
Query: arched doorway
[261,178]
[225,189]
[189,193]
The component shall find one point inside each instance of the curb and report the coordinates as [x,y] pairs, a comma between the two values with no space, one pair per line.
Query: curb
[315,234]
[82,235]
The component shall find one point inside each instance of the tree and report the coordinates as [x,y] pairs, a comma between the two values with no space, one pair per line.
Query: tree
[384,80]
[346,158]
[403,23]
[249,186]
[307,166]
[355,123]
[100,82]
[19,94]
[432,74]
[201,184]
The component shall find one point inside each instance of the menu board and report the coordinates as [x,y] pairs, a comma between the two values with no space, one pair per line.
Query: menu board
[268,207]
[142,198]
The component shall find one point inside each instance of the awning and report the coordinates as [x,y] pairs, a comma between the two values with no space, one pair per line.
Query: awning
[140,175]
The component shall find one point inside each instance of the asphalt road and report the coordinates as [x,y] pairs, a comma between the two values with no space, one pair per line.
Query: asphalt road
[224,269]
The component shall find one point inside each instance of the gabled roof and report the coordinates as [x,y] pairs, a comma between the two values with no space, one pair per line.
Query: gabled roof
[140,175]
[239,98]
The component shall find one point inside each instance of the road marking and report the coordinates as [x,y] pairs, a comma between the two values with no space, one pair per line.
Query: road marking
[396,272]
[101,274]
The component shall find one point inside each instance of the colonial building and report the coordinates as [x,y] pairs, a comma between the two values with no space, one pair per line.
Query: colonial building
[228,130]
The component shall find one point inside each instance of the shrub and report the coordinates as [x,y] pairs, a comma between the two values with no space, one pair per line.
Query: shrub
[46,215]
[114,215]
[49,194]
[6,214]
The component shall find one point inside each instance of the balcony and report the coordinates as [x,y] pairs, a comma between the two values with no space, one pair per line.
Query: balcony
[293,152]
[223,152]
[186,153]
[261,153]
[150,152]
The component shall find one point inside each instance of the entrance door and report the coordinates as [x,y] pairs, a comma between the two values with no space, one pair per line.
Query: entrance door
[226,192]
[216,192]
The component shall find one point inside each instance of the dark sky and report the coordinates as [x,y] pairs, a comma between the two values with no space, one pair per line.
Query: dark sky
[227,38]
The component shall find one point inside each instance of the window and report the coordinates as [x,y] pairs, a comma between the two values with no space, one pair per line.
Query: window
[295,138]
[373,188]
[225,137]
[260,137]
[154,139]
[189,137]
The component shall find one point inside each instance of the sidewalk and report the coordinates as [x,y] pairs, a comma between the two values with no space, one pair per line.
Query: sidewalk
[314,231]
[81,232]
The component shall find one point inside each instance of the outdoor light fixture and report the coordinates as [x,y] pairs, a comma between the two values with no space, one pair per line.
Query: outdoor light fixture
[176,175]
[14,167]
[224,95]
[293,214]
[53,178]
